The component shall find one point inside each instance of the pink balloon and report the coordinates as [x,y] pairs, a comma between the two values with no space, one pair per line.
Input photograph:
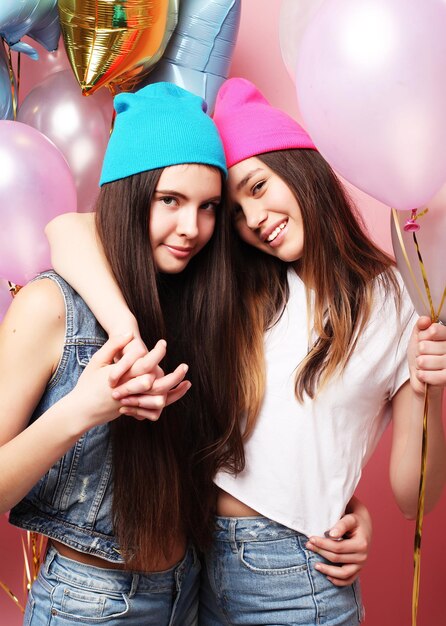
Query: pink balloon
[35,185]
[431,240]
[5,298]
[372,92]
[78,125]
[33,72]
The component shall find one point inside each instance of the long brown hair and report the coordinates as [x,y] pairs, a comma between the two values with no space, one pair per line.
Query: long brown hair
[163,470]
[339,265]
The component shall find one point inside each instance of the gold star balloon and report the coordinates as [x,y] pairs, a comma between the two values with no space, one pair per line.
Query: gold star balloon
[109,42]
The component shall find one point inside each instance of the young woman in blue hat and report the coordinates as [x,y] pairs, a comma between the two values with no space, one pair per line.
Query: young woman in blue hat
[122,496]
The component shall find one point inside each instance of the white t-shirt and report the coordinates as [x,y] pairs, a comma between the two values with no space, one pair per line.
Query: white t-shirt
[304,461]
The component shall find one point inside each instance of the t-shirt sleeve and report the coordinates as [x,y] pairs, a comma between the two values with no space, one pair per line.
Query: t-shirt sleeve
[404,321]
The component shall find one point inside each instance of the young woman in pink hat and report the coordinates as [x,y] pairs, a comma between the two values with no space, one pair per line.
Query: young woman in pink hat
[326,376]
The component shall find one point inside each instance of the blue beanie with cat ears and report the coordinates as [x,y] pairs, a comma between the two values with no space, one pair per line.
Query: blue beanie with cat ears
[158,126]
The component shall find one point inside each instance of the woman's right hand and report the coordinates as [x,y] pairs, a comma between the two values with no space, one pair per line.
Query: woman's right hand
[141,385]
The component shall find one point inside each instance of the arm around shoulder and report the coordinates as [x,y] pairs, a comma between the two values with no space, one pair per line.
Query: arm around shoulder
[78,256]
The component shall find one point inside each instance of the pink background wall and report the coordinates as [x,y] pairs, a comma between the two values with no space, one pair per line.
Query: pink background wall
[387,579]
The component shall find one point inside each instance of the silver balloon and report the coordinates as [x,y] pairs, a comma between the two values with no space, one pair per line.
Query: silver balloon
[200,50]
[79,126]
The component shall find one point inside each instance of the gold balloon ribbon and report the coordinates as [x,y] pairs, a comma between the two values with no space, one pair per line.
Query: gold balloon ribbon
[422,485]
[420,514]
[14,289]
[405,255]
[14,90]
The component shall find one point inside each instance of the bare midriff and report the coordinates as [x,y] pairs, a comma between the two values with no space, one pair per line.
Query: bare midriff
[228,506]
[90,559]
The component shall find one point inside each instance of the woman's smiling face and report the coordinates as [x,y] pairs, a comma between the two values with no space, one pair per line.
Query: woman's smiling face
[267,214]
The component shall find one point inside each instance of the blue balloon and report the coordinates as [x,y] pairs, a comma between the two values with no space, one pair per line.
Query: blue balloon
[38,19]
[200,50]
[6,102]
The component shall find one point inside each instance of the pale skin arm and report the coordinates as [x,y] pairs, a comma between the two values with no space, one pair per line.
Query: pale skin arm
[427,363]
[349,555]
[78,256]
[29,354]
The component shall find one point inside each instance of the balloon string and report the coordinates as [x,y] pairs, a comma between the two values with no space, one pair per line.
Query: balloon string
[14,93]
[426,282]
[405,255]
[14,289]
[12,596]
[441,303]
[420,514]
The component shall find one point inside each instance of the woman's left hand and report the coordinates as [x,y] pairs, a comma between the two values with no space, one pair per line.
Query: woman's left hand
[427,355]
[348,548]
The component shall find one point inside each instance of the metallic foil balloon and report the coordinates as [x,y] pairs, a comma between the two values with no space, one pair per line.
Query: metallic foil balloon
[105,38]
[425,230]
[35,185]
[35,18]
[78,126]
[143,59]
[200,51]
[6,91]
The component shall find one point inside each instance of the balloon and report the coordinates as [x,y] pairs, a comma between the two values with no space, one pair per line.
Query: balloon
[6,102]
[79,127]
[135,70]
[36,18]
[200,51]
[293,20]
[33,73]
[35,185]
[371,90]
[431,239]
[105,38]
[5,298]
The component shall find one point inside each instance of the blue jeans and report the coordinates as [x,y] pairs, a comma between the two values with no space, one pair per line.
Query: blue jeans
[67,592]
[258,572]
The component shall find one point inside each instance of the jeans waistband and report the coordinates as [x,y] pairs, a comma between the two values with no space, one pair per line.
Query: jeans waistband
[115,580]
[251,529]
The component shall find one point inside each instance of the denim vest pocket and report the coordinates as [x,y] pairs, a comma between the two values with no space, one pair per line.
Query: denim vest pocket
[84,352]
[55,488]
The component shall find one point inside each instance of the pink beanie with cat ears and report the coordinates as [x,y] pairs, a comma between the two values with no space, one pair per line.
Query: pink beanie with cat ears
[249,125]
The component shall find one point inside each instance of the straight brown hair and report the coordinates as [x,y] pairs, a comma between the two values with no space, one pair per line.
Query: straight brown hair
[163,471]
[339,264]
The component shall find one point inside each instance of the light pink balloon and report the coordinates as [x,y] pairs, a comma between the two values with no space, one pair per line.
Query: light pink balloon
[5,298]
[372,92]
[431,240]
[78,125]
[35,185]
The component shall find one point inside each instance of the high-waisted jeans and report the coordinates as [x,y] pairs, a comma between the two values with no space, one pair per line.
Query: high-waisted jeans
[259,572]
[68,593]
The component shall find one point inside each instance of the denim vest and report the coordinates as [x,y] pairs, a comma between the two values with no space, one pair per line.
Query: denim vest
[72,502]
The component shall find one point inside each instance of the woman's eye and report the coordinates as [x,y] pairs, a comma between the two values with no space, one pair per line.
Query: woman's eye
[209,206]
[258,187]
[168,200]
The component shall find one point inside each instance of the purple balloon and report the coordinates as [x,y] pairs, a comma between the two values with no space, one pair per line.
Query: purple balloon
[78,125]
[36,185]
[372,93]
